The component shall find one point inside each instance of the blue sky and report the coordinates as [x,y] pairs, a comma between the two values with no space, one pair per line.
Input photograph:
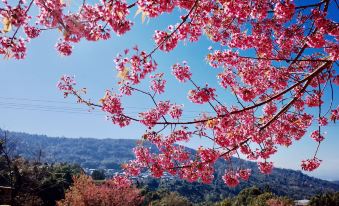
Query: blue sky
[30,101]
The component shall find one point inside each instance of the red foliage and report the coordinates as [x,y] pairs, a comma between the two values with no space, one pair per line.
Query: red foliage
[115,192]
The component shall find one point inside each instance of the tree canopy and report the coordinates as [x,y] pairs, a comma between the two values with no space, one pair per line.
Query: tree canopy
[277,58]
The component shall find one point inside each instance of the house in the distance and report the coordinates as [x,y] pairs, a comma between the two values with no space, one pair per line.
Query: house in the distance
[301,202]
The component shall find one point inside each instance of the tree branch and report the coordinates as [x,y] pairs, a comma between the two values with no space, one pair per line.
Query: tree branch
[175,30]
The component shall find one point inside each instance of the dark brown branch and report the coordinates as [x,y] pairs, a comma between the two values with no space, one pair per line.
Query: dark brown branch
[332,97]
[305,45]
[319,116]
[82,6]
[221,155]
[310,5]
[306,79]
[198,88]
[305,6]
[311,76]
[184,19]
[18,28]
[132,5]
[296,59]
[148,94]
[286,107]
[297,95]
[89,103]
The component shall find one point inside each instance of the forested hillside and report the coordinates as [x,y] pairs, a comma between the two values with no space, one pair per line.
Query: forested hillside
[110,153]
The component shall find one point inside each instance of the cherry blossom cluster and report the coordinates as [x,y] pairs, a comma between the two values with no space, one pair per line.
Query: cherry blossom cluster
[317,136]
[176,111]
[314,100]
[284,11]
[202,95]
[310,164]
[132,69]
[32,32]
[90,22]
[182,73]
[115,191]
[155,8]
[13,48]
[335,114]
[265,167]
[151,117]
[165,41]
[111,104]
[16,15]
[222,21]
[64,48]
[231,178]
[158,83]
[170,155]
[66,84]
[120,181]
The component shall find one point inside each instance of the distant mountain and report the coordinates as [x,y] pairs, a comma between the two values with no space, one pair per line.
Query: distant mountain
[87,152]
[110,153]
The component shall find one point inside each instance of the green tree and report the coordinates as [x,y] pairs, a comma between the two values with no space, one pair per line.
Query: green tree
[246,196]
[172,199]
[225,202]
[31,182]
[98,175]
[326,199]
[261,200]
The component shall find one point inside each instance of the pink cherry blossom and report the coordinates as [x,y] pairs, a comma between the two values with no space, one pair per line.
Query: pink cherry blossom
[284,11]
[244,174]
[32,32]
[182,73]
[231,179]
[165,41]
[265,167]
[310,164]
[111,103]
[335,114]
[158,83]
[64,48]
[323,121]
[316,41]
[317,136]
[201,96]
[336,80]
[176,111]
[208,155]
[66,84]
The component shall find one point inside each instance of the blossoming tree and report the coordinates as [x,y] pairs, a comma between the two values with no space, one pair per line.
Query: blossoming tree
[117,191]
[292,65]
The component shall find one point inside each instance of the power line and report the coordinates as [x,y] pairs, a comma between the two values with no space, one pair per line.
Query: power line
[71,110]
[34,100]
[90,113]
[59,109]
[41,106]
[71,103]
[46,110]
